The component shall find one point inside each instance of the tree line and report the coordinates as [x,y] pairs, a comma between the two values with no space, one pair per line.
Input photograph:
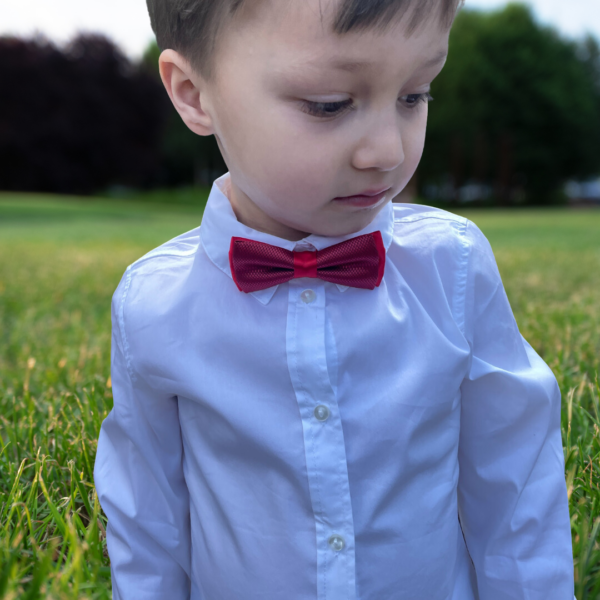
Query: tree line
[518,111]
[516,114]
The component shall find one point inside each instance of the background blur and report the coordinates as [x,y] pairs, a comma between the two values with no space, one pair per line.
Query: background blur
[516,117]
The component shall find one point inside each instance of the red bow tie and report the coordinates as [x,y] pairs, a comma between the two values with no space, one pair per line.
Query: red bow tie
[357,262]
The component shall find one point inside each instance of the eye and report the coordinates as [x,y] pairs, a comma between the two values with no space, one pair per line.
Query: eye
[326,109]
[412,100]
[332,109]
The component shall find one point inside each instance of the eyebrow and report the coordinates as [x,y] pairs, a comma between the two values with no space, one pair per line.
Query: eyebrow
[356,65]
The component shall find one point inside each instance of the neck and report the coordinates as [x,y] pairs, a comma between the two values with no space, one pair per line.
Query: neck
[247,213]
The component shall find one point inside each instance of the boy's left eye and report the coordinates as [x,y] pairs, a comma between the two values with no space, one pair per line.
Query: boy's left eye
[332,109]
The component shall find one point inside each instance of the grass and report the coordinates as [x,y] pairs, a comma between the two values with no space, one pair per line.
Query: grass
[60,261]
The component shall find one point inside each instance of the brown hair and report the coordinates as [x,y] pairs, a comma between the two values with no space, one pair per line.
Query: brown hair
[191,27]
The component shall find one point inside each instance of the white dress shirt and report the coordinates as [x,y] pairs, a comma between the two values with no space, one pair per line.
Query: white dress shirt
[312,441]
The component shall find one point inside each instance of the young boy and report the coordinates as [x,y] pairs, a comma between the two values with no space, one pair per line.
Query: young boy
[319,395]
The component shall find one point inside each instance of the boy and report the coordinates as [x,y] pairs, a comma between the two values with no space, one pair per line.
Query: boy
[319,395]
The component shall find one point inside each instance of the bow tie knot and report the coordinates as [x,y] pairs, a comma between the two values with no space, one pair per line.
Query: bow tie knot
[305,264]
[357,262]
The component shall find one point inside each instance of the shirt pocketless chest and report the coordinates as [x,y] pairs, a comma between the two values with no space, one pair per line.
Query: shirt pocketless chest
[322,442]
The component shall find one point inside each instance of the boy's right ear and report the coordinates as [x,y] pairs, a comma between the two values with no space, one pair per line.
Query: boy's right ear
[187,92]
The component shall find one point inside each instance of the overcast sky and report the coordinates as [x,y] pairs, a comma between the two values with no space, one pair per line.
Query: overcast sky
[128,24]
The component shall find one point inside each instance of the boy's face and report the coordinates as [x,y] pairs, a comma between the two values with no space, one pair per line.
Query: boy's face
[287,165]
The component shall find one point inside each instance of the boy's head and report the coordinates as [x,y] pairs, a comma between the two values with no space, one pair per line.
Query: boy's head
[296,127]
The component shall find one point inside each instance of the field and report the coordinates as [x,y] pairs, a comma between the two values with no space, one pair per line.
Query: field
[60,261]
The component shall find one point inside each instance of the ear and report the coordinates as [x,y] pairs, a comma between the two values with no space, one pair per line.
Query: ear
[187,91]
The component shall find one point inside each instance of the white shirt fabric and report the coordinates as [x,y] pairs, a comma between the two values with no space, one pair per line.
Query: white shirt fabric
[311,441]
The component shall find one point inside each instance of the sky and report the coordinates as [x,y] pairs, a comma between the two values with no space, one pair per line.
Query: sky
[128,24]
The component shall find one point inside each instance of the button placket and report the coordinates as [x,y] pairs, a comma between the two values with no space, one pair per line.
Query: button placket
[323,441]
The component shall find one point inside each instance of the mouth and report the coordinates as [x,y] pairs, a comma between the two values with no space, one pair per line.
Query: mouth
[366,199]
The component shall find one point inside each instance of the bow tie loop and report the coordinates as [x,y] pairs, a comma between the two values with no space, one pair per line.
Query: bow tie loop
[358,262]
[305,264]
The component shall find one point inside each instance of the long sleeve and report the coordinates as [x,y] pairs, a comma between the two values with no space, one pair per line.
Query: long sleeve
[512,495]
[139,480]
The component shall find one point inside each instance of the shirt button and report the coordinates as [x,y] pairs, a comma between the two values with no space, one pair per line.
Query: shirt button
[308,296]
[336,542]
[321,412]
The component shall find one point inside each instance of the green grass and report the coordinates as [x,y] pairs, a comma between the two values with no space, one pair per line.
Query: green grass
[60,261]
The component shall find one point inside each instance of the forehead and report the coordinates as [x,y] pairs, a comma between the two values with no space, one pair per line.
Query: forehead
[298,34]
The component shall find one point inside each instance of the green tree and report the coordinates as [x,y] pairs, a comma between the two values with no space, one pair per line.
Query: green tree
[517,107]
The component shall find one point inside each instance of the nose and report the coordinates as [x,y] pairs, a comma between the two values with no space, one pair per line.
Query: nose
[380,147]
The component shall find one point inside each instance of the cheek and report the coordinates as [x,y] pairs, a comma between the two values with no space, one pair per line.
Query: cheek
[414,141]
[287,169]
[302,158]
[267,140]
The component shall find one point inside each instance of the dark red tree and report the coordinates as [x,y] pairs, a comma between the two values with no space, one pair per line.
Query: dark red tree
[76,119]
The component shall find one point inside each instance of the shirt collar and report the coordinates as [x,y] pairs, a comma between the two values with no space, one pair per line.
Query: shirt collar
[219,225]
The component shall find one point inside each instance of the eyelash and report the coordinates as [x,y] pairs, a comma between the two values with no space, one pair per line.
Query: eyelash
[317,109]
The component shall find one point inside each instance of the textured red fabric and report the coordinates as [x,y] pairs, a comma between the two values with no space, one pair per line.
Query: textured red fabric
[305,264]
[358,262]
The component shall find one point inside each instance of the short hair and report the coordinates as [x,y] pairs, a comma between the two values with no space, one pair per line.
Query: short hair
[191,27]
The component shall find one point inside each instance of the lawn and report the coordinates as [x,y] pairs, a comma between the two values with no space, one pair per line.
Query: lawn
[60,261]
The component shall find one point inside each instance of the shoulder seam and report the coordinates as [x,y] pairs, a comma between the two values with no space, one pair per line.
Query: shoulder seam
[461,279]
[129,273]
[159,252]
[162,254]
[413,218]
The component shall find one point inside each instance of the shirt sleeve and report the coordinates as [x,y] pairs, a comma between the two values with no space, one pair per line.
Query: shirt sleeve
[512,495]
[139,480]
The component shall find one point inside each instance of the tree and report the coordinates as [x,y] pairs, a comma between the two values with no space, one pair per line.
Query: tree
[517,107]
[77,119]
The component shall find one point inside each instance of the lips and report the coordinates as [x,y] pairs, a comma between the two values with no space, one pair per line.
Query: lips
[366,199]
[366,193]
